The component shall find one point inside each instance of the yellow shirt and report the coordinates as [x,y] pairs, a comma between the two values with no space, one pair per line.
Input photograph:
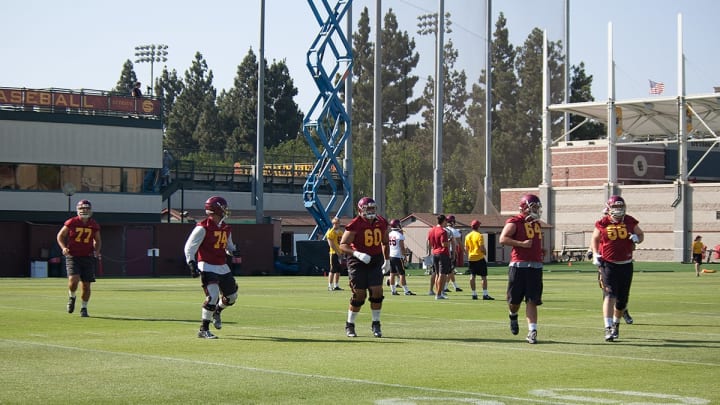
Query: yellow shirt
[473,246]
[697,247]
[337,235]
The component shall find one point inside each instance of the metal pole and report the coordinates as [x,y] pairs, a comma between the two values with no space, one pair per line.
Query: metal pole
[439,93]
[488,107]
[259,157]
[566,93]
[347,163]
[377,108]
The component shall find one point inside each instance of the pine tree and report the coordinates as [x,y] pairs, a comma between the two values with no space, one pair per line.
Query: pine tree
[168,87]
[189,106]
[127,79]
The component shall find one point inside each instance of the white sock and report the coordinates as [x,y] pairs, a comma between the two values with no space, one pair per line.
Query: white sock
[405,287]
[84,304]
[375,315]
[485,292]
[455,284]
[474,293]
[351,316]
[71,294]
[532,326]
[608,322]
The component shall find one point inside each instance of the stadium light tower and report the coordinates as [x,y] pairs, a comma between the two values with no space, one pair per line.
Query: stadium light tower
[430,24]
[150,54]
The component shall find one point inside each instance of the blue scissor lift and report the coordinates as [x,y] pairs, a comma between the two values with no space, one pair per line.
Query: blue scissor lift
[327,124]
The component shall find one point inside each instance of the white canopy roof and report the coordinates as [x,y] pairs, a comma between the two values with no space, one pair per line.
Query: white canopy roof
[655,119]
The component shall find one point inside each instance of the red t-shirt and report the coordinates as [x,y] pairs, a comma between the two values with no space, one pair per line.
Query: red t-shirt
[81,237]
[615,243]
[212,250]
[525,230]
[368,235]
[436,236]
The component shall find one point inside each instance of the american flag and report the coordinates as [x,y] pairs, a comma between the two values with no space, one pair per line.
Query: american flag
[656,87]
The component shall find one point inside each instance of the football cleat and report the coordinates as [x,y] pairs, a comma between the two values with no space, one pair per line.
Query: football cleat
[84,313]
[616,330]
[350,329]
[441,297]
[626,316]
[217,321]
[376,329]
[475,297]
[337,288]
[206,334]
[71,305]
[609,334]
[408,292]
[514,327]
[458,289]
[395,293]
[532,337]
[488,298]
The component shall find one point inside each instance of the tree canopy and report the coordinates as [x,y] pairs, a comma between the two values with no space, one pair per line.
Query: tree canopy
[200,122]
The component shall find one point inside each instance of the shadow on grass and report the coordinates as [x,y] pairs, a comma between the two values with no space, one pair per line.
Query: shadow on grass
[646,342]
[340,339]
[128,318]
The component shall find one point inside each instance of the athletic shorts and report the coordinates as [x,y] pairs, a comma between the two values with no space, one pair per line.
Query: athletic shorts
[441,264]
[226,282]
[478,268]
[335,263]
[615,280]
[697,258]
[84,266]
[397,266]
[524,283]
[363,276]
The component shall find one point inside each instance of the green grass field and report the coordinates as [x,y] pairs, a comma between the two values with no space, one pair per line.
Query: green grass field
[284,343]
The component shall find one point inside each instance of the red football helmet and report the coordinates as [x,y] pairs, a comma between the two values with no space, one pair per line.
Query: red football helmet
[395,224]
[217,205]
[366,208]
[451,219]
[475,224]
[615,207]
[84,209]
[531,206]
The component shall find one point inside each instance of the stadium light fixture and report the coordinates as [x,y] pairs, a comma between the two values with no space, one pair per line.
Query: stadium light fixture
[150,54]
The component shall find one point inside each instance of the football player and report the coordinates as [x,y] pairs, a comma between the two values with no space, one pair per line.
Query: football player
[80,242]
[365,241]
[524,234]
[397,258]
[206,251]
[613,242]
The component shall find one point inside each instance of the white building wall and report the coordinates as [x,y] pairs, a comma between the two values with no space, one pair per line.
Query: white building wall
[577,208]
[107,203]
[195,199]
[35,142]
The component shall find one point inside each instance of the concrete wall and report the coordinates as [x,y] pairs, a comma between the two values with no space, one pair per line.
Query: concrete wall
[575,209]
[195,199]
[36,142]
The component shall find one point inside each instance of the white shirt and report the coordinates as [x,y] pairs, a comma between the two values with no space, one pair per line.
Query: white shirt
[395,237]
[453,235]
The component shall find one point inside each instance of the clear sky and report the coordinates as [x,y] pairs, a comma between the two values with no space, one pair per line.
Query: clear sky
[84,43]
